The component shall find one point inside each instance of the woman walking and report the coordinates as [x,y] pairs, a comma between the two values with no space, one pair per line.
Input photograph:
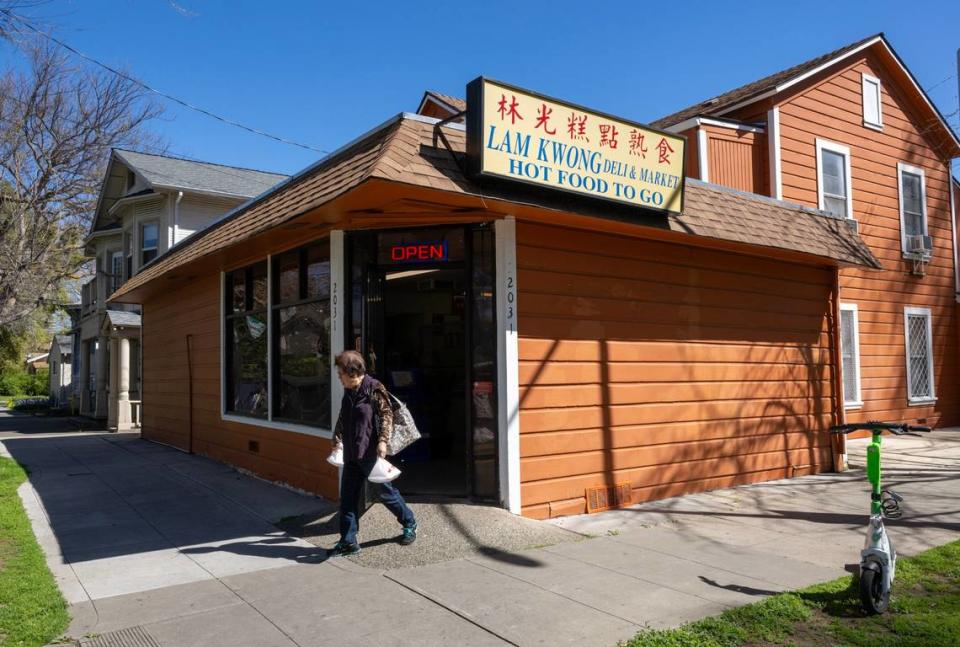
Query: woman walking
[363,431]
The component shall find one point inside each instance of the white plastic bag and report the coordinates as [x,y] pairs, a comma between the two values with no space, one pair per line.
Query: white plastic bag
[383,471]
[336,457]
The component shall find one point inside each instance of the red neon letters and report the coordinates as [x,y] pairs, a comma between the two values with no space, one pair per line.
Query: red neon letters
[418,253]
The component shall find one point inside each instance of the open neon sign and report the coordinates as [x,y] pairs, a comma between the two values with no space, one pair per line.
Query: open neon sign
[420,253]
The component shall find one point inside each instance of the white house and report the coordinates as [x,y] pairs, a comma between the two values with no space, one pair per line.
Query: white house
[147,205]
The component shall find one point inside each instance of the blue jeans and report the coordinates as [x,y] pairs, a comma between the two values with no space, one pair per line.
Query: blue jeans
[355,473]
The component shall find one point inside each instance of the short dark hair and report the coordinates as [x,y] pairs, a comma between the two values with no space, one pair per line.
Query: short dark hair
[351,362]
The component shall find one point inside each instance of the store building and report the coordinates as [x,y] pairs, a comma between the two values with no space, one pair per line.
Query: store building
[630,333]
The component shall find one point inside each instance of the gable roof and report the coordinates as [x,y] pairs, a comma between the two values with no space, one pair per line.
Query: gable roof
[779,81]
[63,344]
[178,173]
[407,150]
[122,318]
[450,103]
[716,105]
[163,171]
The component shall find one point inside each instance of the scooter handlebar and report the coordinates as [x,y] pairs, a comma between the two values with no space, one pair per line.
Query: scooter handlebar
[896,428]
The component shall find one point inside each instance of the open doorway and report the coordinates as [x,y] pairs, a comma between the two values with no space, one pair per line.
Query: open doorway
[422,315]
[423,364]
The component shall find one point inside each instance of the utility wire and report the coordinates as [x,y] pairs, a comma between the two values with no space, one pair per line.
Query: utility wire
[223,169]
[937,85]
[143,85]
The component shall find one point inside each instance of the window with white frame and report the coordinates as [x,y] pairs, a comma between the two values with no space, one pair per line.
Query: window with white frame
[276,327]
[300,332]
[913,203]
[919,348]
[872,112]
[850,354]
[833,179]
[149,242]
[245,341]
[116,270]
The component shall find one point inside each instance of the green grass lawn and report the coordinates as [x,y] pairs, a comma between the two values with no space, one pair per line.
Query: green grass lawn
[924,611]
[32,611]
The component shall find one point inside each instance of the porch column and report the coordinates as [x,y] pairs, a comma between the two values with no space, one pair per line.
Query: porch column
[112,392]
[123,385]
[508,389]
[82,357]
[100,405]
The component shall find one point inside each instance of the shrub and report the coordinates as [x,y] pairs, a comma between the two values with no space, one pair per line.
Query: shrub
[16,381]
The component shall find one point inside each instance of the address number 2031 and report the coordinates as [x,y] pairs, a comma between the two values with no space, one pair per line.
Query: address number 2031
[510,297]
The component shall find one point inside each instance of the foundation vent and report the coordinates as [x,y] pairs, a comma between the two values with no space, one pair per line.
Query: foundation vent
[602,497]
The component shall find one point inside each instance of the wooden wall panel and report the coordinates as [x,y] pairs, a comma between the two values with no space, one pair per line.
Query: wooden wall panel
[737,159]
[296,459]
[831,108]
[676,369]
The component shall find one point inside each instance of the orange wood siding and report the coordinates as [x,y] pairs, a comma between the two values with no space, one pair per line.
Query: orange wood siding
[692,160]
[831,109]
[674,368]
[737,159]
[293,458]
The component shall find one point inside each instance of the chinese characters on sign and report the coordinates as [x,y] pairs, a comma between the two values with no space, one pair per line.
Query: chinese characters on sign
[569,148]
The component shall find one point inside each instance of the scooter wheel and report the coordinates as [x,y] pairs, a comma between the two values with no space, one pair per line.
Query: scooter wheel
[874,599]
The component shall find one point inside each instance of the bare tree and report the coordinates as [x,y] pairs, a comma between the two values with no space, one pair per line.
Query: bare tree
[58,123]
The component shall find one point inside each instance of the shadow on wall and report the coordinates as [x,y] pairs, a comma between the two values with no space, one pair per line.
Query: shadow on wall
[706,388]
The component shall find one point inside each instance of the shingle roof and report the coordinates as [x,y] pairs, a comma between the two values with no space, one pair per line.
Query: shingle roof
[64,344]
[160,170]
[713,105]
[407,150]
[123,318]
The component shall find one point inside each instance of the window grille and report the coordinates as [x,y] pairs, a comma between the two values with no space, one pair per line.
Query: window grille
[919,362]
[849,353]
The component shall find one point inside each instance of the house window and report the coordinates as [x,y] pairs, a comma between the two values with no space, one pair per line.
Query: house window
[116,271]
[149,242]
[850,354]
[300,332]
[919,346]
[872,112]
[913,207]
[245,341]
[833,179]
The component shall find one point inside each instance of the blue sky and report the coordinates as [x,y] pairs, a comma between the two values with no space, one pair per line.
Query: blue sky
[323,72]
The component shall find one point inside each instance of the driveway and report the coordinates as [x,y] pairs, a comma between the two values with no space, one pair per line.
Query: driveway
[155,547]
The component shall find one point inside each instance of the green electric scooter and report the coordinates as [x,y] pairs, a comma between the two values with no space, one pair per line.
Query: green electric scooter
[878,559]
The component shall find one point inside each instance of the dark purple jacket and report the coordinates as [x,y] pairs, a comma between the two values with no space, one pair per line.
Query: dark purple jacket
[355,425]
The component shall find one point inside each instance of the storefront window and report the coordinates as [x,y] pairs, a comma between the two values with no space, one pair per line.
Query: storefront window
[301,336]
[245,372]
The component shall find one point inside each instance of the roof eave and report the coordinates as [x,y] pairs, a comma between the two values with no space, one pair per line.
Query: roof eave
[239,209]
[881,39]
[210,192]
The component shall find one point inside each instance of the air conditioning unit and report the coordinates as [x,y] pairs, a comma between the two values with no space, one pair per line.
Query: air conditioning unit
[919,244]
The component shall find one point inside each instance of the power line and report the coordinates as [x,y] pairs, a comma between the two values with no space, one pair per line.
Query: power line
[223,169]
[937,85]
[169,97]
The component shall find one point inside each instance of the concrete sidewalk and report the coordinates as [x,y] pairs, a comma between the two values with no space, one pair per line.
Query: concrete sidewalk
[216,572]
